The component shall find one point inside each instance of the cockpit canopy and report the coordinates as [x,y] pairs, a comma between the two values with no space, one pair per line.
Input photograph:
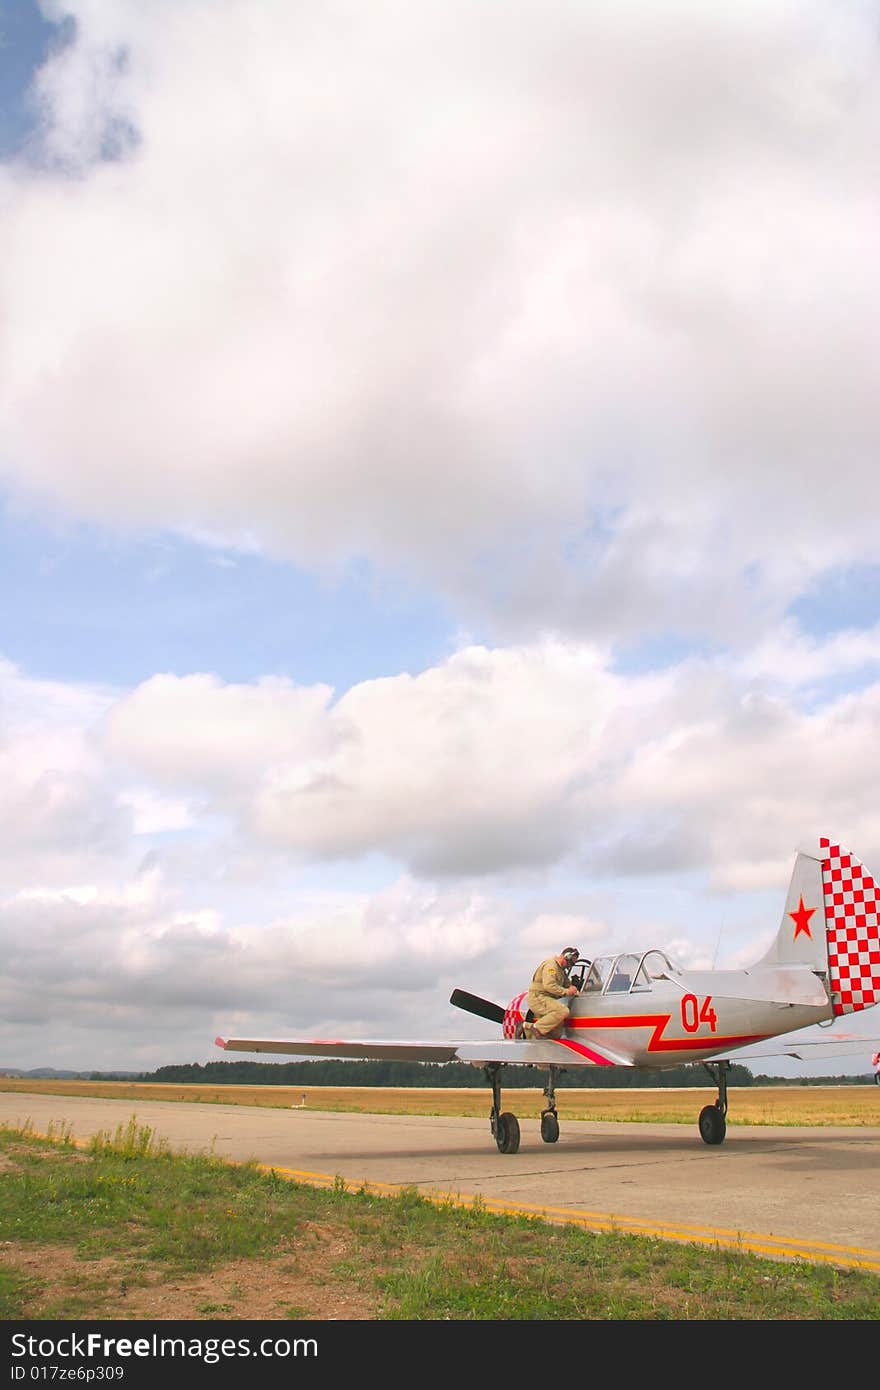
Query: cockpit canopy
[627,973]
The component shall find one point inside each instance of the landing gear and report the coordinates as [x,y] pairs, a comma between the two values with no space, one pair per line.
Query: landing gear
[549,1118]
[713,1118]
[505,1126]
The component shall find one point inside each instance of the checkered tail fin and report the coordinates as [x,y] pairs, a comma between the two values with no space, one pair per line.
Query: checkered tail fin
[852,928]
[831,922]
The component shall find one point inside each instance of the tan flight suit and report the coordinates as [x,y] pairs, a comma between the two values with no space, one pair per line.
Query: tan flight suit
[547,998]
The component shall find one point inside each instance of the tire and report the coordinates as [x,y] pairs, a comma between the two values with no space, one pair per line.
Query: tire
[713,1125]
[549,1127]
[507,1133]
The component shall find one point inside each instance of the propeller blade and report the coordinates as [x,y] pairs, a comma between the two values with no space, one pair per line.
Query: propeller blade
[472,1004]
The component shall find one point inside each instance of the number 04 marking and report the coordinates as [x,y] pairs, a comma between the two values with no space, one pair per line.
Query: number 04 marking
[692,1015]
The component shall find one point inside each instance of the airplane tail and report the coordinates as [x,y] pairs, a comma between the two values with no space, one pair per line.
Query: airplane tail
[831,922]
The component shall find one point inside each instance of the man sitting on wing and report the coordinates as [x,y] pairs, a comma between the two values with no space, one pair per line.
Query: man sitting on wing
[548,993]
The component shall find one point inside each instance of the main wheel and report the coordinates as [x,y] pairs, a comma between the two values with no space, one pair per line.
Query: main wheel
[507,1133]
[549,1127]
[713,1125]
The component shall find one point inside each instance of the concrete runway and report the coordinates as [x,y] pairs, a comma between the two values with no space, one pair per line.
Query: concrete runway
[784,1192]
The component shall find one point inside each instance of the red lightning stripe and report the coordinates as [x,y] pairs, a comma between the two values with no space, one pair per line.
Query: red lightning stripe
[659,1023]
[581,1051]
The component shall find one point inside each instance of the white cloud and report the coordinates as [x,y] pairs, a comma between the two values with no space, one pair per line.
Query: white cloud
[571,312]
[57,806]
[504,760]
[496,762]
[153,813]
[197,730]
[791,660]
[88,959]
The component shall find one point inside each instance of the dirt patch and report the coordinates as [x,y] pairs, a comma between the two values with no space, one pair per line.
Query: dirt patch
[298,1285]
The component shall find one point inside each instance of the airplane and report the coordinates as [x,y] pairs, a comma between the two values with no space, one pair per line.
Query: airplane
[639,1009]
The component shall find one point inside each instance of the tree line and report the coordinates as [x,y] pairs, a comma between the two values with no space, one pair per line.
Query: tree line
[334,1072]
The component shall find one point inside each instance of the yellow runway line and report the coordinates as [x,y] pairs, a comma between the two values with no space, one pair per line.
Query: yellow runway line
[780,1247]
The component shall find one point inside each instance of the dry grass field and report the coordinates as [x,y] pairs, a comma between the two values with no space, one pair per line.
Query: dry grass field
[751,1105]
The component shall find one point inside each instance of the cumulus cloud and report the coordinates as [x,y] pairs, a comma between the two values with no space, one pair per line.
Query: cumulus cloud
[57,803]
[571,312]
[494,762]
[128,968]
[501,760]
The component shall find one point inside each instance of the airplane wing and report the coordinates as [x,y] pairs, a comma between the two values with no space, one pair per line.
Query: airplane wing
[556,1052]
[332,1047]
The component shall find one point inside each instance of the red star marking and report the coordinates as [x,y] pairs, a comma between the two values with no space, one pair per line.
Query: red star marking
[801,919]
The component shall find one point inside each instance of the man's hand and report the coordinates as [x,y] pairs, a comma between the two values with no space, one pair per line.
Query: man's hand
[572,989]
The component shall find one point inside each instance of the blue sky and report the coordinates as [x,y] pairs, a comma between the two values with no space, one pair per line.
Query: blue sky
[26,38]
[119,608]
[437,501]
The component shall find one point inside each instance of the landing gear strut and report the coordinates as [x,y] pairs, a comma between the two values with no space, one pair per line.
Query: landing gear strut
[549,1118]
[713,1118]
